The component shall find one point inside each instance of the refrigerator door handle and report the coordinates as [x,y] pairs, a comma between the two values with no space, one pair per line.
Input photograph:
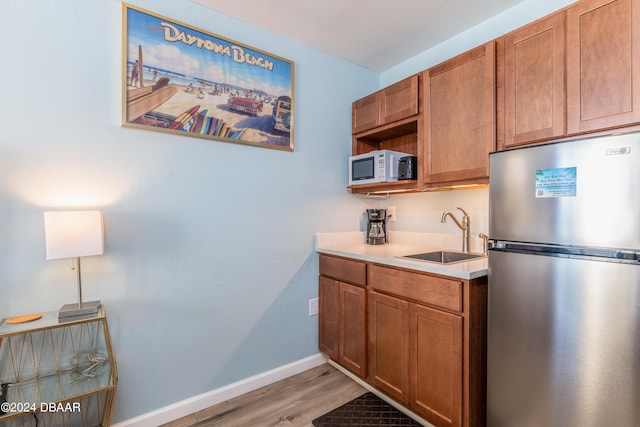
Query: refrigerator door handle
[601,254]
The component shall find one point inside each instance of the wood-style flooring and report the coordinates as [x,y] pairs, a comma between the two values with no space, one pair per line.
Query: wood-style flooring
[292,402]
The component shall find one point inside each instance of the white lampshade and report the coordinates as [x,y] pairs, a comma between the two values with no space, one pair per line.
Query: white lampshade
[71,234]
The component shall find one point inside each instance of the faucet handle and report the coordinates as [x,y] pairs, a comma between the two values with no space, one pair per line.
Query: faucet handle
[485,238]
[463,211]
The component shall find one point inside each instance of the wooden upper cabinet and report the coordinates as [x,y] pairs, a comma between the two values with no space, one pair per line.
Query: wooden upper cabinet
[532,86]
[388,105]
[366,113]
[603,75]
[399,100]
[459,117]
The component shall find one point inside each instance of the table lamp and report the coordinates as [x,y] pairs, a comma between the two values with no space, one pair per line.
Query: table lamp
[73,234]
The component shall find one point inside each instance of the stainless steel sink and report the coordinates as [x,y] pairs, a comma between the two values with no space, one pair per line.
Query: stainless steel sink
[444,257]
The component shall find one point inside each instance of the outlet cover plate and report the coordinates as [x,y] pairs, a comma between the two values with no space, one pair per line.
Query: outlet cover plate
[313,306]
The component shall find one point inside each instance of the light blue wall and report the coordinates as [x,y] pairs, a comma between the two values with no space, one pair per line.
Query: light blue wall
[209,260]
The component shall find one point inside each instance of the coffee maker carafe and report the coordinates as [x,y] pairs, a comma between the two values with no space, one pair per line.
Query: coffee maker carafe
[377,226]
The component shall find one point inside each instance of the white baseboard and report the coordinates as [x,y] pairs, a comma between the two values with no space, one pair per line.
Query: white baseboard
[213,397]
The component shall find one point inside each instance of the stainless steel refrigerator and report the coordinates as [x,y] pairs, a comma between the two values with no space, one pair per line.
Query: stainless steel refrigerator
[564,285]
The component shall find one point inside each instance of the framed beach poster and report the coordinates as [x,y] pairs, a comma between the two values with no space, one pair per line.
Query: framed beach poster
[184,80]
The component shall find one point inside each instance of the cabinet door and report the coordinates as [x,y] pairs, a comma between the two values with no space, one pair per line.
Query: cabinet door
[389,345]
[353,338]
[436,365]
[603,39]
[329,316]
[366,113]
[534,88]
[459,97]
[399,100]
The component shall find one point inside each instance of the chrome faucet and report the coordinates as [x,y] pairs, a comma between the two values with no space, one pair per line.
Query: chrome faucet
[465,226]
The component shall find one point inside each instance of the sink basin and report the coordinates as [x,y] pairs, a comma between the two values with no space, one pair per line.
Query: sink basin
[445,257]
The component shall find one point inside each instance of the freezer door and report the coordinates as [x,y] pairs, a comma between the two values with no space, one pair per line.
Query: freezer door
[563,342]
[582,193]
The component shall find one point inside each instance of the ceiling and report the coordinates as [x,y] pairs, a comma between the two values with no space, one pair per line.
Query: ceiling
[375,34]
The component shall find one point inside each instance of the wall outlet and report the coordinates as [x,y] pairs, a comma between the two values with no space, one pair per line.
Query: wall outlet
[391,214]
[313,307]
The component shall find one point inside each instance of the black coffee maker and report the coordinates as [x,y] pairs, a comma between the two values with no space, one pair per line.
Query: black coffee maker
[377,226]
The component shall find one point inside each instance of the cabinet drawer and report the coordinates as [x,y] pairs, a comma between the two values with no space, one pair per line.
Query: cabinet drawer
[422,288]
[343,269]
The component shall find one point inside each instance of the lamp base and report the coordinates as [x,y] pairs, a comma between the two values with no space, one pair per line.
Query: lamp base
[84,309]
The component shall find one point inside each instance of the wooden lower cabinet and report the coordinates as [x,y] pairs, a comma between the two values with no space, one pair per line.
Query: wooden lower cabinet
[342,328]
[329,311]
[435,360]
[415,356]
[352,326]
[389,345]
[420,338]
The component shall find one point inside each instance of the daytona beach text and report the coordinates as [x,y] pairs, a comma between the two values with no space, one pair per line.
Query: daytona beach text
[172,34]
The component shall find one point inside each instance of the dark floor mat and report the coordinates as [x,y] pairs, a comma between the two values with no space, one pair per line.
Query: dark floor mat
[367,410]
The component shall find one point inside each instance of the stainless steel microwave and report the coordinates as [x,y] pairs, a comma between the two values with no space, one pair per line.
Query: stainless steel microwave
[375,166]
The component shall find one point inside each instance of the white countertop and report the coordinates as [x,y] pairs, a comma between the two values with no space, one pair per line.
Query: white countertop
[353,245]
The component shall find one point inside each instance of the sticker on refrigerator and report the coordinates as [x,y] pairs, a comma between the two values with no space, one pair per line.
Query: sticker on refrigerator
[559,182]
